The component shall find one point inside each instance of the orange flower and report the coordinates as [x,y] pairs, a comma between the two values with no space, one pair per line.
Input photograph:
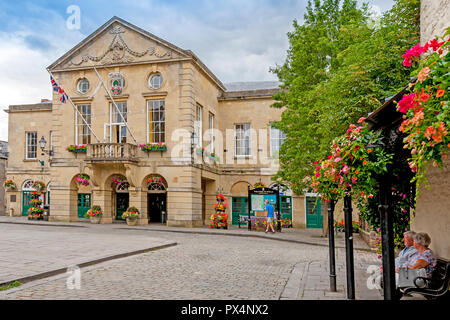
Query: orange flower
[365,162]
[423,74]
[440,93]
[369,150]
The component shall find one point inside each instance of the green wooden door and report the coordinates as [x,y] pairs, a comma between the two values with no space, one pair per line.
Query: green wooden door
[122,202]
[239,207]
[313,213]
[286,207]
[26,197]
[84,204]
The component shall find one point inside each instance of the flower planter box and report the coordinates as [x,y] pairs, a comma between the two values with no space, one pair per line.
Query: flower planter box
[154,149]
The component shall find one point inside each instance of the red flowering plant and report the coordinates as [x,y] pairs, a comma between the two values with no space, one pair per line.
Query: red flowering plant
[77,148]
[351,167]
[155,180]
[219,219]
[82,179]
[427,110]
[117,179]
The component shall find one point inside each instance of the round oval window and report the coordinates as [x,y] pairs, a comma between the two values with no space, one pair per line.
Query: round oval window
[155,81]
[83,86]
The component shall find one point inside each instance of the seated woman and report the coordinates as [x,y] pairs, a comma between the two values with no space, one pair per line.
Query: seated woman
[425,257]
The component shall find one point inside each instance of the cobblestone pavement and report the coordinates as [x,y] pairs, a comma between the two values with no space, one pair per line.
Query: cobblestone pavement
[208,267]
[28,250]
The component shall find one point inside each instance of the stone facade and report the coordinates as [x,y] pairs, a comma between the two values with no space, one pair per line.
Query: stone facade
[189,181]
[434,18]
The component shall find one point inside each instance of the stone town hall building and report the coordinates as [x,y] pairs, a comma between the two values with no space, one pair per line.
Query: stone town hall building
[164,94]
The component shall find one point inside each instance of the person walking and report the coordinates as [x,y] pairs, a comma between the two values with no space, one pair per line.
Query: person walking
[269,209]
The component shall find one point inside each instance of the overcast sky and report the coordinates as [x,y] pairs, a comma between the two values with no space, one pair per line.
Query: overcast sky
[239,40]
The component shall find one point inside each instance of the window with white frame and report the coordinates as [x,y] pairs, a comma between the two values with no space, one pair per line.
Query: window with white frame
[31,145]
[277,138]
[211,131]
[116,118]
[242,139]
[156,116]
[83,133]
[83,86]
[198,125]
[155,81]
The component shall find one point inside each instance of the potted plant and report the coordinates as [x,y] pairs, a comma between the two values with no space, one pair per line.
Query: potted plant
[9,185]
[220,218]
[94,214]
[131,216]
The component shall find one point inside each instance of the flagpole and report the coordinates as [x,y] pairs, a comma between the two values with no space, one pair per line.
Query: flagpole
[76,109]
[118,110]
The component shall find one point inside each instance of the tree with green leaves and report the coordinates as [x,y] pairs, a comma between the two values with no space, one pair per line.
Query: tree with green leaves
[339,67]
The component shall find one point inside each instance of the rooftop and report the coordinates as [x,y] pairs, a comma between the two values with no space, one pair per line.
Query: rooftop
[251,86]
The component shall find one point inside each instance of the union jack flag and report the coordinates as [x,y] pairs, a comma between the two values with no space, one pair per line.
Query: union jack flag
[58,89]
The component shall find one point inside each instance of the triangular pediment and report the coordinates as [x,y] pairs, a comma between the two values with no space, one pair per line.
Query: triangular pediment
[118,42]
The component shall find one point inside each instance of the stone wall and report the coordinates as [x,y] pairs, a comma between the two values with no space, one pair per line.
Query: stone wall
[432,213]
[434,18]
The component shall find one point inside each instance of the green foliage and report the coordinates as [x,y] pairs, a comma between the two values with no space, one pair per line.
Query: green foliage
[337,69]
[10,286]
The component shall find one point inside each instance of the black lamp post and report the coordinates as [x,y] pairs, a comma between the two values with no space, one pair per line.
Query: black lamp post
[350,264]
[42,144]
[331,246]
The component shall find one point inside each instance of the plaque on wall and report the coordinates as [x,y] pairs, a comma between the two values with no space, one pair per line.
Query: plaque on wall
[12,198]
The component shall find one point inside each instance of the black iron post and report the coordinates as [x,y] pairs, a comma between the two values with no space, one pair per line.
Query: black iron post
[349,248]
[249,222]
[278,209]
[331,246]
[387,237]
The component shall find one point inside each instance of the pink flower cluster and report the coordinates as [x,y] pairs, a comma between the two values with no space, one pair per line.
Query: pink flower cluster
[417,50]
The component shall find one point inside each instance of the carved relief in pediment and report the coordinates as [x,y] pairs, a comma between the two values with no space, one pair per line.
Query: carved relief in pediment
[119,52]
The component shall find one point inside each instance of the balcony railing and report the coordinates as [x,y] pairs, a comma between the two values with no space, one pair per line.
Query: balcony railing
[111,152]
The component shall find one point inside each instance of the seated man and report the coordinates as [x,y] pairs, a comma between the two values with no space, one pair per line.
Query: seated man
[408,253]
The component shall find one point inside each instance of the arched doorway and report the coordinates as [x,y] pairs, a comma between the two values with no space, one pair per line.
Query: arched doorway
[122,199]
[239,201]
[156,199]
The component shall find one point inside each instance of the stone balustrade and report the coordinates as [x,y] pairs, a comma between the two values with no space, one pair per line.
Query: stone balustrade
[111,152]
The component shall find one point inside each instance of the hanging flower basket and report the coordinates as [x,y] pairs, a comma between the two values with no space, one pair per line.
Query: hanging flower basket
[131,216]
[155,180]
[160,146]
[220,197]
[117,179]
[9,185]
[82,179]
[259,185]
[39,186]
[77,148]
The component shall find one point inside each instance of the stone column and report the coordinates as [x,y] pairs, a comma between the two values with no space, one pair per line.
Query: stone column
[138,199]
[103,199]
[63,205]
